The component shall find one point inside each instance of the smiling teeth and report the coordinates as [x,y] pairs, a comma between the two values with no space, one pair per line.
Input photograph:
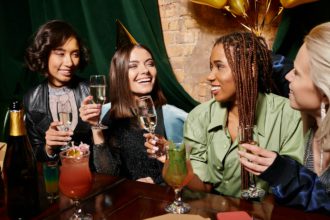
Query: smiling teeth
[215,88]
[143,80]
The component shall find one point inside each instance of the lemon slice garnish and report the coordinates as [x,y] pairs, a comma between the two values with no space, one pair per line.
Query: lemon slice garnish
[74,153]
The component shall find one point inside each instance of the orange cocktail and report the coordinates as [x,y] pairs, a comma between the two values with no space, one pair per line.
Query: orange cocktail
[75,175]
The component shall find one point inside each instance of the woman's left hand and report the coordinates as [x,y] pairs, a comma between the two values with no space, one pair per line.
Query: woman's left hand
[256,159]
[151,145]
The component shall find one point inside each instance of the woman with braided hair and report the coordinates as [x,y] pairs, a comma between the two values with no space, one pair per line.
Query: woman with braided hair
[241,85]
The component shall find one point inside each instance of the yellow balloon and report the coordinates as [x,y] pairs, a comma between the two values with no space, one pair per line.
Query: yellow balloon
[294,3]
[212,3]
[239,7]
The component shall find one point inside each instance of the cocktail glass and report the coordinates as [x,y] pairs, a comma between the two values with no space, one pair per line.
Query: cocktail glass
[75,180]
[177,172]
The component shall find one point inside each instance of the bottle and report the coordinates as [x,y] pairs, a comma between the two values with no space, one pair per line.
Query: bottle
[2,191]
[20,170]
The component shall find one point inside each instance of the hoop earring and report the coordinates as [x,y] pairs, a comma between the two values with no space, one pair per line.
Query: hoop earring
[323,112]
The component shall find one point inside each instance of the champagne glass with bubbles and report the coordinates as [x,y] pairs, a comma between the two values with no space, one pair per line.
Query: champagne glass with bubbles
[148,119]
[64,114]
[97,88]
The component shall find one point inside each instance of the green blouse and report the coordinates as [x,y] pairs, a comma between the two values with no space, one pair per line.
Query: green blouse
[214,156]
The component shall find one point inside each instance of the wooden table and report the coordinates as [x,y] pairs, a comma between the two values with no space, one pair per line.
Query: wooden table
[118,198]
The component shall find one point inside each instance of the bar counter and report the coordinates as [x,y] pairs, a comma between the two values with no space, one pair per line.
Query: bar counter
[118,198]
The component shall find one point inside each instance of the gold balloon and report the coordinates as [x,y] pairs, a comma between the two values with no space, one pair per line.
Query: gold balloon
[212,3]
[294,3]
[238,7]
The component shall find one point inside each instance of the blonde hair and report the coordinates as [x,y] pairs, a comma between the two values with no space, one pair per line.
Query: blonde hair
[318,46]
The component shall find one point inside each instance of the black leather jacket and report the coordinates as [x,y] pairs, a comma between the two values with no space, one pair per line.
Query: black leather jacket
[38,116]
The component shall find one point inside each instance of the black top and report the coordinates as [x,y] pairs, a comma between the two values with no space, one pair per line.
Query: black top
[124,153]
[295,185]
[39,117]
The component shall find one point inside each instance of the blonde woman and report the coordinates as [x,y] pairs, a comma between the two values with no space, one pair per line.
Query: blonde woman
[307,186]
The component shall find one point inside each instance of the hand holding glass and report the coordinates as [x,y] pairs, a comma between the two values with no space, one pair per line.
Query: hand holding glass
[249,189]
[148,119]
[97,88]
[177,172]
[75,180]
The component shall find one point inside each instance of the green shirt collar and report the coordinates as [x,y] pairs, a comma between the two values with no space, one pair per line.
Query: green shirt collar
[219,116]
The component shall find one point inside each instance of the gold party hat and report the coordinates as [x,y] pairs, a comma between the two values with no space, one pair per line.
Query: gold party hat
[123,36]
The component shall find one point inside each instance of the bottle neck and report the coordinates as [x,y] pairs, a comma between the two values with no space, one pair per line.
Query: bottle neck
[17,127]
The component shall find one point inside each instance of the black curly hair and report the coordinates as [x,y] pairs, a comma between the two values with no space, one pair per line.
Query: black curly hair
[51,35]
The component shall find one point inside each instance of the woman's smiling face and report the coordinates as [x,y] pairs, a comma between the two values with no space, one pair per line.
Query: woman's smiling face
[304,95]
[221,76]
[63,62]
[141,72]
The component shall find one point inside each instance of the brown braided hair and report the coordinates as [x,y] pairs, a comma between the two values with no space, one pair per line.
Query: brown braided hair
[251,65]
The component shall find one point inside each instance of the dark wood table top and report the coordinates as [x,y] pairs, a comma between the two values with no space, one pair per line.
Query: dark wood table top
[118,198]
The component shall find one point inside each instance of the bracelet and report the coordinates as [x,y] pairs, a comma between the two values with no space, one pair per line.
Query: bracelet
[51,156]
[99,145]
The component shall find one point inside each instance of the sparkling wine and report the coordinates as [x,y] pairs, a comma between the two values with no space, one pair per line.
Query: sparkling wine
[98,93]
[148,121]
[20,170]
[66,119]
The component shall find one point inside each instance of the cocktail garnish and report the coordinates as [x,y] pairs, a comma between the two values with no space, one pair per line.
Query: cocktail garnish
[77,151]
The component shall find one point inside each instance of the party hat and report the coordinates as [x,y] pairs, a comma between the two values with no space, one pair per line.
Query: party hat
[123,36]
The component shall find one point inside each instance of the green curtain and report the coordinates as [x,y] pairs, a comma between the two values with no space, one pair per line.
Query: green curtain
[95,22]
[296,23]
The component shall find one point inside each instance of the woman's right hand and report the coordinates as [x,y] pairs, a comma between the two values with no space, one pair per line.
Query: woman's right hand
[256,159]
[56,138]
[90,113]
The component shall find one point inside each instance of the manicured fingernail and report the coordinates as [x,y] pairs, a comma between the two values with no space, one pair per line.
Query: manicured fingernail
[153,142]
[155,148]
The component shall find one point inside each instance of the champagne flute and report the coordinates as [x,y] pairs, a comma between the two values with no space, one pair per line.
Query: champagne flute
[148,119]
[249,189]
[64,114]
[177,172]
[97,88]
[75,180]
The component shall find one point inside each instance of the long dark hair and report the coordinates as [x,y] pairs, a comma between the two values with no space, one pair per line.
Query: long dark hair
[50,36]
[121,98]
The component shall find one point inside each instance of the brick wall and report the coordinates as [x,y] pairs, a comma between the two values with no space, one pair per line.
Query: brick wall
[189,32]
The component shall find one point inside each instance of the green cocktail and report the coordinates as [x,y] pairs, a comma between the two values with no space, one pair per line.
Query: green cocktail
[177,172]
[51,174]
